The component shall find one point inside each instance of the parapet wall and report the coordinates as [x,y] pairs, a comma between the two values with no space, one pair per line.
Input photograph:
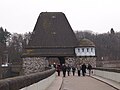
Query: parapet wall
[20,82]
[108,73]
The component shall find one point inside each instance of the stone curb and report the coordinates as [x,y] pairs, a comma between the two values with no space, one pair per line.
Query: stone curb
[56,84]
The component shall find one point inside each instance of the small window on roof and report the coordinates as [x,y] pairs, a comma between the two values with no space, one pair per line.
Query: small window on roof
[53,33]
[53,16]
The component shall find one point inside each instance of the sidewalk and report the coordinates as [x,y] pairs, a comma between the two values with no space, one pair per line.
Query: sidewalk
[107,81]
[84,83]
[56,84]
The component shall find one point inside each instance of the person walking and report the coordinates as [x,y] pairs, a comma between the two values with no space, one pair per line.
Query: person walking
[68,70]
[73,70]
[83,69]
[58,69]
[64,70]
[54,65]
[89,69]
[78,69]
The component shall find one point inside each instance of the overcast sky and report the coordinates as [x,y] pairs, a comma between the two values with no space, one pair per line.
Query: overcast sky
[97,15]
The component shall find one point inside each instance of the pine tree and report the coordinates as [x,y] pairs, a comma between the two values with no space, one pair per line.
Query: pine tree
[4,34]
[112,31]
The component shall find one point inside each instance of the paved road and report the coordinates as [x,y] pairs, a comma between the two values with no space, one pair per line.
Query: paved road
[83,83]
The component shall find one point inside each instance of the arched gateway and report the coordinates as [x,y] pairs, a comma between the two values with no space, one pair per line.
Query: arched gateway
[52,37]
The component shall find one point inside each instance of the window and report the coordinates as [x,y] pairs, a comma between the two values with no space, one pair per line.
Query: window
[91,49]
[87,49]
[82,49]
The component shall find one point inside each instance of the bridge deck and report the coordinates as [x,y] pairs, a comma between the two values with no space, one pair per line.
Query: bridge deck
[84,83]
[79,83]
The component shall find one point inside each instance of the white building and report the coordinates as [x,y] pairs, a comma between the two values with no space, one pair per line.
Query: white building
[85,53]
[85,48]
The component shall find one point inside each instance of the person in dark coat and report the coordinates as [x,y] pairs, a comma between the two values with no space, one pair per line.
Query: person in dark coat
[78,69]
[89,69]
[58,69]
[83,69]
[73,70]
[64,70]
[68,70]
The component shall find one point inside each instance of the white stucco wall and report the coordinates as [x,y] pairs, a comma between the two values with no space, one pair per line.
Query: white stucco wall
[85,51]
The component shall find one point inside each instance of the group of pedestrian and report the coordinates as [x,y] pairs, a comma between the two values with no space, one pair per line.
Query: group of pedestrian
[67,68]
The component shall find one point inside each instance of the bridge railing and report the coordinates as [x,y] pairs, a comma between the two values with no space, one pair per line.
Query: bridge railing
[20,82]
[108,73]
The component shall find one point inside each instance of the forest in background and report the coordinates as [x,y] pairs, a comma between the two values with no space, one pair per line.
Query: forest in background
[107,44]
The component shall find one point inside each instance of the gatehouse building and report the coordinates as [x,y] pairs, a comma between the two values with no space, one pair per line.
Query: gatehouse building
[53,37]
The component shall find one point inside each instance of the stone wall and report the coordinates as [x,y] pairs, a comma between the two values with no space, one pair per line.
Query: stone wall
[38,64]
[70,60]
[80,60]
[33,64]
[88,60]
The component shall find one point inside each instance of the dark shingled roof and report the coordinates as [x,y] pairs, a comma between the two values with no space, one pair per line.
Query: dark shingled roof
[86,43]
[52,36]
